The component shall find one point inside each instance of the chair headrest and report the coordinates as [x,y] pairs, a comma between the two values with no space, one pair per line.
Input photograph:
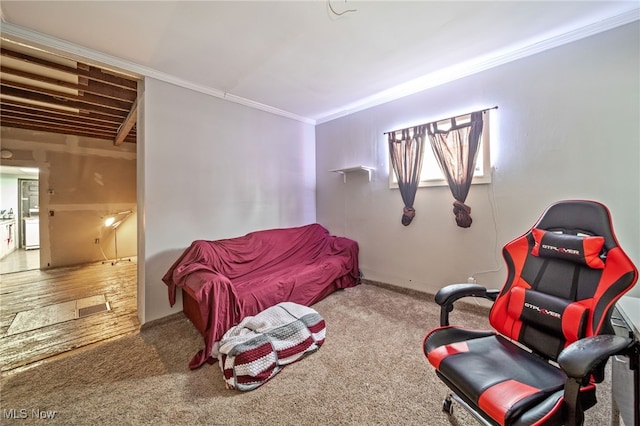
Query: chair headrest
[579,217]
[582,249]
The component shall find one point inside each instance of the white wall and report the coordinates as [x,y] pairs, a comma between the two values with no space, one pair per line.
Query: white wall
[210,169]
[567,127]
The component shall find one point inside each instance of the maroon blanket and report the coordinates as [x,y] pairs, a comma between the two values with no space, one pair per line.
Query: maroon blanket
[238,277]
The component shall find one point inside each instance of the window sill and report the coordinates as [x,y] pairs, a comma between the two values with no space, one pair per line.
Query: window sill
[478,180]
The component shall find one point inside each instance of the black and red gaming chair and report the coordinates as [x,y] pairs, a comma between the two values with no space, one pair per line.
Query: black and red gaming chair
[552,334]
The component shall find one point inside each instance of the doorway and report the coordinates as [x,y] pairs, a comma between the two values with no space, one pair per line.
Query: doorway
[86,167]
[20,199]
[29,214]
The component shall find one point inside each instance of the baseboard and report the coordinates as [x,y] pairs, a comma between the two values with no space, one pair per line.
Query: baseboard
[467,305]
[403,290]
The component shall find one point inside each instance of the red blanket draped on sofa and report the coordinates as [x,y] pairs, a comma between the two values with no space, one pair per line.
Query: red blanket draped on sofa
[237,277]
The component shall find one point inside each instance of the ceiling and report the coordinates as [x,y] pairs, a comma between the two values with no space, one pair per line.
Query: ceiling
[312,60]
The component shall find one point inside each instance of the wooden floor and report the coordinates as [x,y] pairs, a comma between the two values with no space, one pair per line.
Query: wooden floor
[27,290]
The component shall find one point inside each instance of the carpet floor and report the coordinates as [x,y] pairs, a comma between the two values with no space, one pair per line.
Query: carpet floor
[370,370]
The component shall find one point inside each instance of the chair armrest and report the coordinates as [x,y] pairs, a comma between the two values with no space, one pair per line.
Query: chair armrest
[446,296]
[581,357]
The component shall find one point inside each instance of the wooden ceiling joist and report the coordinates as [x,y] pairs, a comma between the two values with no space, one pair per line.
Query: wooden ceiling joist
[25,121]
[50,111]
[60,119]
[93,87]
[85,98]
[82,70]
[45,92]
[65,130]
[59,101]
[127,125]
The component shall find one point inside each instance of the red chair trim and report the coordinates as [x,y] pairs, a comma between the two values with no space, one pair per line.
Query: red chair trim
[436,356]
[499,398]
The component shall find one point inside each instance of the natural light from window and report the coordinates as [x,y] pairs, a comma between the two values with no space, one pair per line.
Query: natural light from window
[431,175]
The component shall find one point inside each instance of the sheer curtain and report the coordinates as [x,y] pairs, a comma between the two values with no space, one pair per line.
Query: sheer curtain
[456,150]
[406,149]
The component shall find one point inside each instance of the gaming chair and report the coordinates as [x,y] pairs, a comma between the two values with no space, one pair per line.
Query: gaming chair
[551,336]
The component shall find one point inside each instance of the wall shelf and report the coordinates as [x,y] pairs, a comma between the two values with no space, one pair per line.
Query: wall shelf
[344,171]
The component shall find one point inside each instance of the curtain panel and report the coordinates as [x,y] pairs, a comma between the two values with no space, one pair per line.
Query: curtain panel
[406,151]
[456,150]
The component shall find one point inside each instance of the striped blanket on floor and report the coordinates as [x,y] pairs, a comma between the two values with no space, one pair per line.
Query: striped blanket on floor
[256,349]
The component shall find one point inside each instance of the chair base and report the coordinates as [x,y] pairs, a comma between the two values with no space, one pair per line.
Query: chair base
[447,407]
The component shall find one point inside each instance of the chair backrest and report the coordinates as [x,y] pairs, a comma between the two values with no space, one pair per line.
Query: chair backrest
[564,276]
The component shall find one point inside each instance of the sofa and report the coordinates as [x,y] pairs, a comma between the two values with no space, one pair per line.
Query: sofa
[225,280]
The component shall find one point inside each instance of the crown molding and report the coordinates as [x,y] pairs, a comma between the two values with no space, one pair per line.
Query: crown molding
[480,64]
[84,54]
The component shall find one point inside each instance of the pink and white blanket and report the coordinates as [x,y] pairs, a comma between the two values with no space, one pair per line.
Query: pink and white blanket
[256,349]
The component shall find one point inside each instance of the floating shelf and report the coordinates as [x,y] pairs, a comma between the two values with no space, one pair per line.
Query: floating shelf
[353,169]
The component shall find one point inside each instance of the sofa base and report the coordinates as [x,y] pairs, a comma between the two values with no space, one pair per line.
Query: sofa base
[192,311]
[191,308]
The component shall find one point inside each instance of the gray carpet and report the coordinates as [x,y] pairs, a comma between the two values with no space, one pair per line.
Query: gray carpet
[370,370]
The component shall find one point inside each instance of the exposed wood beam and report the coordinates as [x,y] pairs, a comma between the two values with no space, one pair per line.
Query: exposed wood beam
[97,74]
[127,124]
[64,130]
[52,124]
[49,117]
[67,97]
[83,115]
[87,98]
[87,86]
[56,129]
[39,97]
[92,73]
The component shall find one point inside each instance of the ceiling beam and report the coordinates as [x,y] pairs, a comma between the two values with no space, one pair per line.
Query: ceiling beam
[34,96]
[131,138]
[69,119]
[86,98]
[127,124]
[87,86]
[12,117]
[45,110]
[46,94]
[82,70]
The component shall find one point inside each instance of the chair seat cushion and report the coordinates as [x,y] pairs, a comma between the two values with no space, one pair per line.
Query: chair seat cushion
[492,373]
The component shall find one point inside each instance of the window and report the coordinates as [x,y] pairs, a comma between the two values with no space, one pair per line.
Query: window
[431,175]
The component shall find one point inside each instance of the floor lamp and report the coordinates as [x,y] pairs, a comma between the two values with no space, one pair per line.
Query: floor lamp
[114,221]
